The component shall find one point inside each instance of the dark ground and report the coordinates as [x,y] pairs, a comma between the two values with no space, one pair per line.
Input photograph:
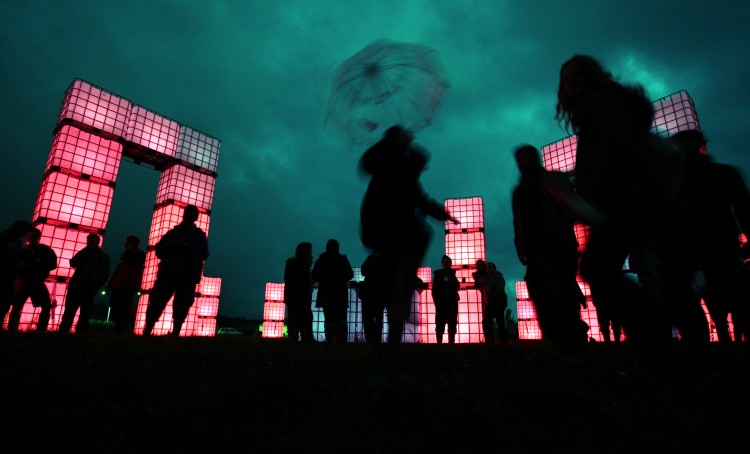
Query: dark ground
[99,393]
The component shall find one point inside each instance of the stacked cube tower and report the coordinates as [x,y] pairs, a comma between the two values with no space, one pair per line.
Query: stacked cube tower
[95,130]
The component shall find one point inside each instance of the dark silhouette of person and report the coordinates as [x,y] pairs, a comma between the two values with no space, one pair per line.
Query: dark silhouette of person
[374,293]
[712,210]
[616,173]
[392,216]
[298,289]
[545,242]
[125,284]
[91,265]
[445,296]
[182,252]
[332,271]
[11,241]
[479,276]
[494,305]
[35,262]
[511,324]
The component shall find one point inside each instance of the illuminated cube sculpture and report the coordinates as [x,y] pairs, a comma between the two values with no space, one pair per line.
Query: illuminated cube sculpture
[95,130]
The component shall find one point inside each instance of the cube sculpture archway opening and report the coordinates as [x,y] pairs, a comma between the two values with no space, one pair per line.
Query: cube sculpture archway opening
[95,130]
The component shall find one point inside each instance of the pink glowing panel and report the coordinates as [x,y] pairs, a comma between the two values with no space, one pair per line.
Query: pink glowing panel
[204,327]
[273,311]
[465,248]
[95,107]
[206,306]
[74,200]
[582,235]
[150,270]
[274,291]
[675,113]
[167,217]
[30,314]
[209,286]
[185,185]
[197,148]
[469,329]
[85,153]
[153,131]
[561,155]
[465,277]
[529,330]
[469,211]
[65,241]
[193,326]
[273,330]
[425,273]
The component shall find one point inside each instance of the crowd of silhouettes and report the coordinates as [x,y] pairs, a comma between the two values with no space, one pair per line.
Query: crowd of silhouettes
[660,210]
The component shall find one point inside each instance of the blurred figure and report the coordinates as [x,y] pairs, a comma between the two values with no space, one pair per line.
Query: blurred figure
[125,284]
[181,252]
[546,243]
[493,309]
[91,266]
[298,289]
[712,210]
[392,216]
[374,293]
[35,262]
[625,173]
[479,276]
[511,324]
[332,271]
[445,296]
[11,241]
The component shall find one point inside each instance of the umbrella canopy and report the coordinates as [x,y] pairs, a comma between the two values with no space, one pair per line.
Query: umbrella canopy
[384,84]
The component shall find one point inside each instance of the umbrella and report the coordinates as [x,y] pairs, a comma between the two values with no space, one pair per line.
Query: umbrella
[384,84]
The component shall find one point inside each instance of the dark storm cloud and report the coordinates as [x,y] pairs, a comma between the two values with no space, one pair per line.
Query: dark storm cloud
[257,76]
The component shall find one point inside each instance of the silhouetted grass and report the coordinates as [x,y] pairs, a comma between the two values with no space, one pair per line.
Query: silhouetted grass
[100,393]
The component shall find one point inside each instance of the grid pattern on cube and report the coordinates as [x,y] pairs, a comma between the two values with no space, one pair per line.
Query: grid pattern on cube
[77,201]
[198,149]
[469,328]
[153,131]
[274,291]
[187,186]
[465,248]
[167,217]
[150,268]
[206,306]
[464,275]
[358,274]
[95,107]
[469,211]
[529,330]
[425,273]
[273,310]
[85,153]
[674,113]
[204,327]
[273,330]
[561,155]
[582,235]
[210,286]
[30,314]
[65,242]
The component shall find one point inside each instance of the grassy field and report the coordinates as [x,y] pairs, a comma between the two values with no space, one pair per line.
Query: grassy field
[100,393]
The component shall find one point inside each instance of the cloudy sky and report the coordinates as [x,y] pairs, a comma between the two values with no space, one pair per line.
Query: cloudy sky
[258,74]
